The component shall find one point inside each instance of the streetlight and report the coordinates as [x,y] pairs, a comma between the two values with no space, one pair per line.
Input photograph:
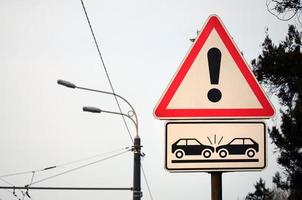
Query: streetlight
[97,110]
[73,86]
[137,194]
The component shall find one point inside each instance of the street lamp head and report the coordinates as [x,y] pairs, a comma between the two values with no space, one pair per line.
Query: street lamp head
[91,109]
[97,110]
[66,83]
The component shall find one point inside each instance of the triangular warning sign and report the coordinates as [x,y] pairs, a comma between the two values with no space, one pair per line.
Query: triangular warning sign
[213,81]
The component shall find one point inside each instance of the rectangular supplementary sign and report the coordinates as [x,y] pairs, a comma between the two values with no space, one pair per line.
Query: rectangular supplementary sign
[215,146]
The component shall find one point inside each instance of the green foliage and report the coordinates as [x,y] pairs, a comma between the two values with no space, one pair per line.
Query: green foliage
[261,192]
[280,68]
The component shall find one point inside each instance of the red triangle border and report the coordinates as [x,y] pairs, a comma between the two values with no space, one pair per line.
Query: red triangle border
[161,110]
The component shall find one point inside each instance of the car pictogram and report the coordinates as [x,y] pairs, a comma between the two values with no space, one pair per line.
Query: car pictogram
[238,146]
[191,146]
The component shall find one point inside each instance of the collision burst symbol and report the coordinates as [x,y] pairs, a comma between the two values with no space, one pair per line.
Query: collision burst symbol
[215,140]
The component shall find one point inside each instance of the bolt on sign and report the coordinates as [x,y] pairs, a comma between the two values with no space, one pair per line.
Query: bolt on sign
[214,82]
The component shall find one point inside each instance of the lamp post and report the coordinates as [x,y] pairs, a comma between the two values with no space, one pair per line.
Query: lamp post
[97,110]
[73,86]
[137,193]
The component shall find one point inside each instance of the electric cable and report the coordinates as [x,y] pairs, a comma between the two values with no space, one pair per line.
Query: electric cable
[22,173]
[148,186]
[27,192]
[64,164]
[109,80]
[91,157]
[8,184]
[14,190]
[105,69]
[13,193]
[24,194]
[80,167]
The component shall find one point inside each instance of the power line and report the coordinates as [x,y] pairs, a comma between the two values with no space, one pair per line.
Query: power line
[80,167]
[64,188]
[91,157]
[105,69]
[148,186]
[109,80]
[28,187]
[63,164]
[13,193]
[24,172]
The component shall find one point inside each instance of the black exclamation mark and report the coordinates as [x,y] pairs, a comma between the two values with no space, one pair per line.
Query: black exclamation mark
[214,58]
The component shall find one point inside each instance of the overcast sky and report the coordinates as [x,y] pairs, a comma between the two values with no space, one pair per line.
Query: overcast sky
[143,42]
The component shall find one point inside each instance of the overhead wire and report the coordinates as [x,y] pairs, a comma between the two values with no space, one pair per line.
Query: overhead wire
[13,193]
[106,71]
[111,85]
[26,193]
[147,184]
[63,164]
[8,184]
[91,157]
[22,173]
[80,167]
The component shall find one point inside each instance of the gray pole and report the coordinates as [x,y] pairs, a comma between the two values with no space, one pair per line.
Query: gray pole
[216,185]
[137,194]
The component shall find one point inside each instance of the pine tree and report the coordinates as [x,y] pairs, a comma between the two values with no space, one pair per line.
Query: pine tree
[280,68]
[261,192]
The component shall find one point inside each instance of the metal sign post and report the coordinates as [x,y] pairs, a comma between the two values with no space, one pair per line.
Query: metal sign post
[216,185]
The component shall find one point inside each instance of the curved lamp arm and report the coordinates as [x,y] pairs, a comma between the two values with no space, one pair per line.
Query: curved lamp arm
[73,86]
[97,110]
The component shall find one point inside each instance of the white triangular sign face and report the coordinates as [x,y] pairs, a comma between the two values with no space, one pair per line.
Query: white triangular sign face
[214,81]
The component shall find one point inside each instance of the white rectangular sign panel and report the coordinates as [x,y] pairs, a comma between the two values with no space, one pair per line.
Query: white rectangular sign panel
[215,146]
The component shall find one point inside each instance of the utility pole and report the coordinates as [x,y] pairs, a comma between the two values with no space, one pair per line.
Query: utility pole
[131,115]
[137,194]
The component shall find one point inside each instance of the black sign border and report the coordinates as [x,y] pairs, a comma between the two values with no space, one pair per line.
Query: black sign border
[188,170]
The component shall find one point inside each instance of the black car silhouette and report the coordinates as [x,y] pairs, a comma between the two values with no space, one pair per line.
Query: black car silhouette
[191,146]
[239,146]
